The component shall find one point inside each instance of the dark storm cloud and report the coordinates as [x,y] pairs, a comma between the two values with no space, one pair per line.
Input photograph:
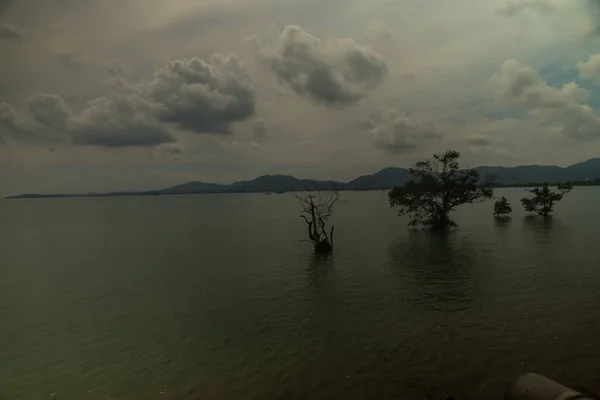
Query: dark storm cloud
[10,32]
[334,74]
[49,109]
[203,97]
[396,133]
[32,130]
[125,121]
[120,121]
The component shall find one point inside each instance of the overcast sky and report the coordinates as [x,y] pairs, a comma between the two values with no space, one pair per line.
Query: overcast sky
[100,95]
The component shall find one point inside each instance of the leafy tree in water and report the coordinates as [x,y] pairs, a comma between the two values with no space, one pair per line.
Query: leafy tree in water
[316,210]
[502,207]
[437,187]
[543,199]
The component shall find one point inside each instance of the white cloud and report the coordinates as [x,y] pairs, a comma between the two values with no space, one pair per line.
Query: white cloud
[518,85]
[578,18]
[514,7]
[591,68]
[336,73]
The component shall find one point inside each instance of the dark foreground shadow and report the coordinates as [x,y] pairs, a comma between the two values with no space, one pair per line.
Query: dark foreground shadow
[437,266]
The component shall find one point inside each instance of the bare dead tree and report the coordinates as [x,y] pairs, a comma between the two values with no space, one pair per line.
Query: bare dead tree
[316,210]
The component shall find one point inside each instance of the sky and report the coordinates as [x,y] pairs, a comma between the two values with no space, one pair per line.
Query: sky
[106,95]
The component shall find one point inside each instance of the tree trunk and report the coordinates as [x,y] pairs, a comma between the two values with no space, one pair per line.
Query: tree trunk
[323,247]
[440,221]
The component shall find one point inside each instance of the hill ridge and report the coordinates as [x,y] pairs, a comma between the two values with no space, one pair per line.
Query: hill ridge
[385,178]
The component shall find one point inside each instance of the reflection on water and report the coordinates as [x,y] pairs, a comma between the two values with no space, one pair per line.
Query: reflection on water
[317,272]
[502,221]
[539,222]
[437,265]
[126,298]
[544,231]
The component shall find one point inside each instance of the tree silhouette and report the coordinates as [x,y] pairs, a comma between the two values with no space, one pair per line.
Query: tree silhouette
[543,199]
[437,187]
[316,210]
[502,207]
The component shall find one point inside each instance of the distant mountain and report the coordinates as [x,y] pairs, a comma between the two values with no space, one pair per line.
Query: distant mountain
[523,174]
[583,171]
[195,187]
[589,169]
[388,177]
[385,178]
[286,183]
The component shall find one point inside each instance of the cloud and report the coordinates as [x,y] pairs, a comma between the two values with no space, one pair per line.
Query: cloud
[172,149]
[192,94]
[397,133]
[591,68]
[304,143]
[378,32]
[260,129]
[8,115]
[115,69]
[9,124]
[120,121]
[592,11]
[44,123]
[10,32]
[71,60]
[203,97]
[478,140]
[49,109]
[580,19]
[123,121]
[514,7]
[334,74]
[518,85]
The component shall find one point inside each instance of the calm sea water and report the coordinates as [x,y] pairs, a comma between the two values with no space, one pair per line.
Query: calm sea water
[213,297]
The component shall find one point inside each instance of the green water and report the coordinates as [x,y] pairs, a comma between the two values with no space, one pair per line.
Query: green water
[213,297]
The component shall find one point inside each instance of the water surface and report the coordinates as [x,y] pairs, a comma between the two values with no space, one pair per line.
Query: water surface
[214,297]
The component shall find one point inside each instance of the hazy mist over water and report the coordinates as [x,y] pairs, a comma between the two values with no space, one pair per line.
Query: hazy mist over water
[213,297]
